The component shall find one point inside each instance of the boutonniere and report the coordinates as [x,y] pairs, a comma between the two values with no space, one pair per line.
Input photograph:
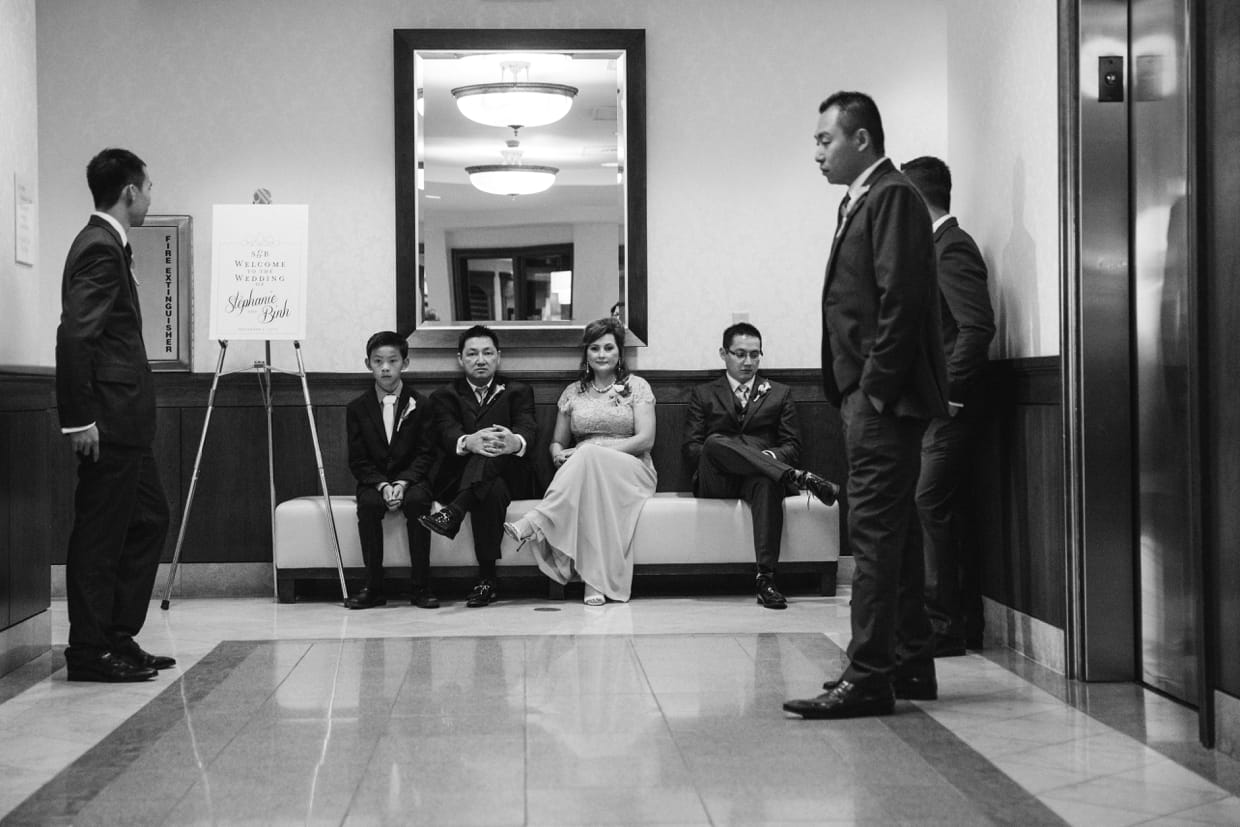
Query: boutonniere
[761,390]
[620,392]
[498,390]
[409,408]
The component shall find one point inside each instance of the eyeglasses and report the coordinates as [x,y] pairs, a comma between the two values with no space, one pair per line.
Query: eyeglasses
[742,355]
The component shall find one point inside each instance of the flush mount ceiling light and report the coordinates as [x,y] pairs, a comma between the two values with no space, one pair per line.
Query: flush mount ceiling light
[512,177]
[516,101]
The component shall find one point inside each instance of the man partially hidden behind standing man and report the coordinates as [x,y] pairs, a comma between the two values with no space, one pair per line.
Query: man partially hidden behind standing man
[106,400]
[882,365]
[953,592]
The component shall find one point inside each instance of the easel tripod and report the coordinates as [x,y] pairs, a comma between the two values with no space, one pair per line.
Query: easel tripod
[265,370]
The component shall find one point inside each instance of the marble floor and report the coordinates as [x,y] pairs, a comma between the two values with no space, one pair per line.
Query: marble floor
[661,711]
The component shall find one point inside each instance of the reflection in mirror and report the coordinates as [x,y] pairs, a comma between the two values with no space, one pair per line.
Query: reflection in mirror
[526,218]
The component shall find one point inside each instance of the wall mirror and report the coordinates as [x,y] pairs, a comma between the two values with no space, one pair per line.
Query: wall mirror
[520,183]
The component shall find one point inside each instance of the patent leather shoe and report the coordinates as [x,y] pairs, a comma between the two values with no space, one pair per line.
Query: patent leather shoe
[825,490]
[135,655]
[908,687]
[484,594]
[769,596]
[423,599]
[366,599]
[446,521]
[845,700]
[108,668]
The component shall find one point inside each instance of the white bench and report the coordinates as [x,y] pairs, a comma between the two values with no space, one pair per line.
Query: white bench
[677,533]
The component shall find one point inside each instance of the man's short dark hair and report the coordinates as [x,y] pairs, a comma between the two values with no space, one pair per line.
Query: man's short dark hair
[109,172]
[388,338]
[740,329]
[933,180]
[858,111]
[475,332]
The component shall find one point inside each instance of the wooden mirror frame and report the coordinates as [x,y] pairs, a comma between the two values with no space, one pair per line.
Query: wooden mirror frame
[409,41]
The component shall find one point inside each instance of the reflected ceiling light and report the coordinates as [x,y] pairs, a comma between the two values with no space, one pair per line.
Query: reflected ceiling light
[512,177]
[515,101]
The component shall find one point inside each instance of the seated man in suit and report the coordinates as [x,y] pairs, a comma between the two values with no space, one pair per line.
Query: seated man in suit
[742,440]
[485,425]
[391,450]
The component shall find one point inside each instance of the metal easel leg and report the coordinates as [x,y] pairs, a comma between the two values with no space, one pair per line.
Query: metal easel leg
[193,481]
[264,383]
[318,459]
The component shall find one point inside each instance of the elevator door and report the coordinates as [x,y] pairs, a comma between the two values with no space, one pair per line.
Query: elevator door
[1159,162]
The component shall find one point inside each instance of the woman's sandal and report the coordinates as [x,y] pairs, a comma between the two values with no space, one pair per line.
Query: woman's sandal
[594,597]
[515,533]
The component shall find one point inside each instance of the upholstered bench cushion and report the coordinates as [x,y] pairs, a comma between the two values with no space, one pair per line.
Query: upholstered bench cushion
[673,528]
[680,528]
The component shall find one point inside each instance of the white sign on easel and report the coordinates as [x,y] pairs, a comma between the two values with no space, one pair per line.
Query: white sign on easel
[258,271]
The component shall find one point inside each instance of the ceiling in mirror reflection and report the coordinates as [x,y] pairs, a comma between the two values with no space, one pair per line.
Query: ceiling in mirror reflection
[584,146]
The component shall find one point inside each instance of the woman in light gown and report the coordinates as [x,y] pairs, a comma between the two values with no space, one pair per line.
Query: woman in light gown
[603,435]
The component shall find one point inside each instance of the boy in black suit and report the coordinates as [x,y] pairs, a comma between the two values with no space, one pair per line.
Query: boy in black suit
[742,439]
[485,425]
[391,450]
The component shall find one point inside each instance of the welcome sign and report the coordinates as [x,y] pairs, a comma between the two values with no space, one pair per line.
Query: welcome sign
[258,271]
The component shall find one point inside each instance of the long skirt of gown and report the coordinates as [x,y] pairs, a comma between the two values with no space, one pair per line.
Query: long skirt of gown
[588,516]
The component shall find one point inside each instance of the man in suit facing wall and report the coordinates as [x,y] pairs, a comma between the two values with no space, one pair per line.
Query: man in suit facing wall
[882,365]
[742,439]
[486,424]
[953,593]
[391,451]
[106,402]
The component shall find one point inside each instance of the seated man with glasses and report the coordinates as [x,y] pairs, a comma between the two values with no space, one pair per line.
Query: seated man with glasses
[742,440]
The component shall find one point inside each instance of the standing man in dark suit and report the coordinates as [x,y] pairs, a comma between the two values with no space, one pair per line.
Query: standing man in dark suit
[106,401]
[486,425]
[953,563]
[391,450]
[882,364]
[743,440]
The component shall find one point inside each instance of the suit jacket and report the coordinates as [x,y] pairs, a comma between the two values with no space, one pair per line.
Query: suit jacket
[769,422]
[411,453]
[880,305]
[457,413]
[968,320]
[102,373]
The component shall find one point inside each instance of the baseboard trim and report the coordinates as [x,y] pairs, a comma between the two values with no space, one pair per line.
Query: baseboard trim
[1037,640]
[25,641]
[201,580]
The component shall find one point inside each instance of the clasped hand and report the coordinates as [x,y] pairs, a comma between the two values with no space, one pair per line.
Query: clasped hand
[493,442]
[562,456]
[393,494]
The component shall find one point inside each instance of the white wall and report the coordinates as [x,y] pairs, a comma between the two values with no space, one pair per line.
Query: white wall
[29,295]
[296,95]
[1003,114]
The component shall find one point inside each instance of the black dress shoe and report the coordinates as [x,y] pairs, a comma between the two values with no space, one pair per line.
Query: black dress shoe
[769,596]
[127,649]
[446,521]
[484,594]
[108,668]
[366,599]
[845,700]
[423,599]
[825,490]
[908,688]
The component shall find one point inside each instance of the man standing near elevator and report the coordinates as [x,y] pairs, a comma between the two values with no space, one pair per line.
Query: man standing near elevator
[882,365]
[953,564]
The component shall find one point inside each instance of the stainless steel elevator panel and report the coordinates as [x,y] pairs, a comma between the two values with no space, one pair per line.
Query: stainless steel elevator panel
[1161,328]
[1104,638]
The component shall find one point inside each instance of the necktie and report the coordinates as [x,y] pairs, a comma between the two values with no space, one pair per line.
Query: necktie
[742,396]
[129,255]
[481,393]
[389,414]
[843,211]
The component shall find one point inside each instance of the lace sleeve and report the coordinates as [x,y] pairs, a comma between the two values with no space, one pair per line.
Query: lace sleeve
[566,398]
[641,390]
